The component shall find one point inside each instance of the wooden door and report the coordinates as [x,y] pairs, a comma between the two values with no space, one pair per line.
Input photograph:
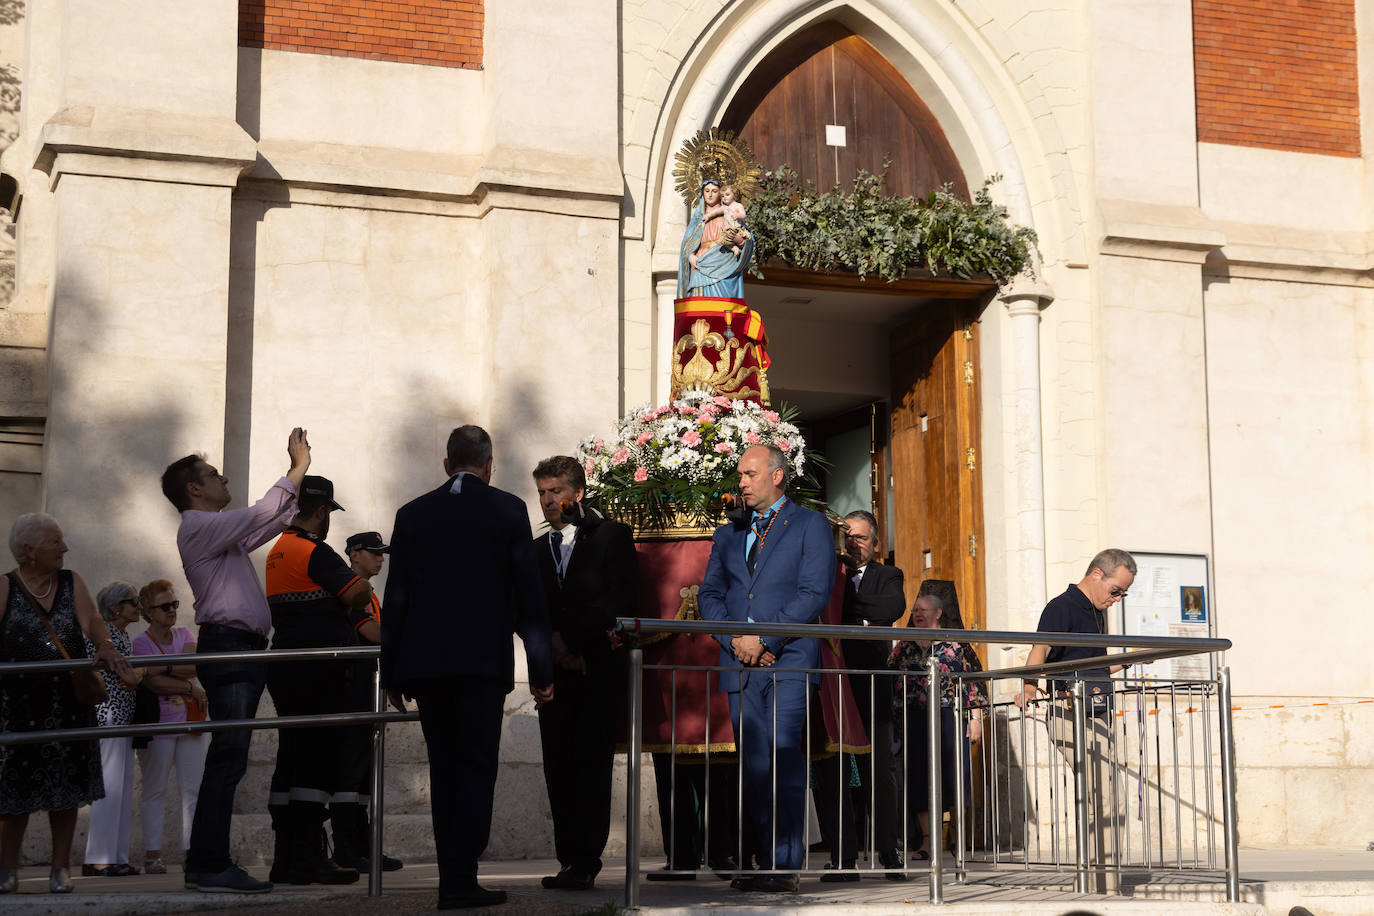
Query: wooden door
[937,502]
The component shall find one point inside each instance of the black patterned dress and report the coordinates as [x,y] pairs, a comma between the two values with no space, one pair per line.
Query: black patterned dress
[52,776]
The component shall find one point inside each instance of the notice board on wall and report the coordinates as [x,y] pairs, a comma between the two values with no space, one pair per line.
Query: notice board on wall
[1171,596]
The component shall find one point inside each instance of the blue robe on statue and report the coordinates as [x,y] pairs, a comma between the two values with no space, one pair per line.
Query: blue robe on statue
[719,272]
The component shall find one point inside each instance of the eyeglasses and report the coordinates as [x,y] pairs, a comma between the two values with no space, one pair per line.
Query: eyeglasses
[134,601]
[1116,592]
[169,606]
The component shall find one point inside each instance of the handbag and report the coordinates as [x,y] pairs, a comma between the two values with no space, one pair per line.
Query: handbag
[147,711]
[88,687]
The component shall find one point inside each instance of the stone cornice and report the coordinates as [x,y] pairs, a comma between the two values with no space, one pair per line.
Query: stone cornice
[1160,232]
[148,145]
[1293,255]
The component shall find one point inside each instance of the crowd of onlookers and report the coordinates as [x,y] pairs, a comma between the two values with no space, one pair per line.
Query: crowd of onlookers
[48,607]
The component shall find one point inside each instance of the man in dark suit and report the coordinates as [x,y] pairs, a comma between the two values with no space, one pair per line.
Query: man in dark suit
[463,580]
[873,596]
[587,565]
[778,567]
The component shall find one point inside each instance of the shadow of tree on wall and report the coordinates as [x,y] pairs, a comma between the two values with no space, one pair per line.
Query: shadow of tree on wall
[11,13]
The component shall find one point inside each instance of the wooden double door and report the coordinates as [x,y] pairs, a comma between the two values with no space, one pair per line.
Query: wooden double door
[933,453]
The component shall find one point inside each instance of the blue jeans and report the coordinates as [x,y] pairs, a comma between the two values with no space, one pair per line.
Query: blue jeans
[233,691]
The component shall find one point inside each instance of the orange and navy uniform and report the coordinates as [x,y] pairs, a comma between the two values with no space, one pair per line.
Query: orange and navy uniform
[305,579]
[372,612]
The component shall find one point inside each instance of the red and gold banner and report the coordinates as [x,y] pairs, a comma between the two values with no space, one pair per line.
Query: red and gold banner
[720,346]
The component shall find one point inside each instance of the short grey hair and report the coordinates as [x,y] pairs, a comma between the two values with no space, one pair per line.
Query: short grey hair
[110,597]
[1110,560]
[27,530]
[866,516]
[777,461]
[936,603]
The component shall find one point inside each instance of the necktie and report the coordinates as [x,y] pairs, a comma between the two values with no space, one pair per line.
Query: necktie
[556,544]
[760,531]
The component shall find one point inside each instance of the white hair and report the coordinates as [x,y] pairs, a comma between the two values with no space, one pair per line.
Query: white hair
[28,530]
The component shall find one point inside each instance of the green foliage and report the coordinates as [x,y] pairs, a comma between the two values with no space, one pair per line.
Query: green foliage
[867,232]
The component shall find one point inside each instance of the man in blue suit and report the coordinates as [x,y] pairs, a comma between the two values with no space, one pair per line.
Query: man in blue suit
[463,580]
[778,567]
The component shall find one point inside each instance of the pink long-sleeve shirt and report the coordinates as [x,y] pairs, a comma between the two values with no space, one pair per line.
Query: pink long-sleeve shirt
[214,554]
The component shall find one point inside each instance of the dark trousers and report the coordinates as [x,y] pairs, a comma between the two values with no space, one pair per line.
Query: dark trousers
[697,810]
[233,691]
[461,720]
[839,808]
[578,735]
[778,818]
[308,759]
[918,765]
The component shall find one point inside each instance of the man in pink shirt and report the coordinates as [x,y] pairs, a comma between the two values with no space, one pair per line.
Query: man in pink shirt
[231,609]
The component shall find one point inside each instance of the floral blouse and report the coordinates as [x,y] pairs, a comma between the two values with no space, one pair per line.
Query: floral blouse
[953,659]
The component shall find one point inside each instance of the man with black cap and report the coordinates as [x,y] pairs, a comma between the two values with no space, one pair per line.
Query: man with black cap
[348,808]
[316,601]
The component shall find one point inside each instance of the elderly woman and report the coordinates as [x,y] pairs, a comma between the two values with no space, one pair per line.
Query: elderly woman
[179,693]
[107,842]
[57,777]
[912,656]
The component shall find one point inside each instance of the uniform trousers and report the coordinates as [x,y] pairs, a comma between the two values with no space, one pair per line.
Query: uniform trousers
[308,759]
[155,763]
[107,842]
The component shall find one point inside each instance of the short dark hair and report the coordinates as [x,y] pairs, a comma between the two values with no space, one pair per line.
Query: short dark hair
[865,515]
[468,447]
[562,466]
[307,503]
[178,476]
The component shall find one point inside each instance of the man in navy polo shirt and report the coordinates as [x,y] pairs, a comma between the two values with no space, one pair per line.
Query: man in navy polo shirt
[1083,609]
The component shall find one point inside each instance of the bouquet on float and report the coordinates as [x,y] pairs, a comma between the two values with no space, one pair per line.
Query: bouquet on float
[667,467]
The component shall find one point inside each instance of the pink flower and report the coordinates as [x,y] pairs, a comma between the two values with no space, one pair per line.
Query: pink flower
[641,474]
[784,444]
[588,467]
[706,413]
[691,438]
[621,456]
[721,400]
[771,416]
[600,446]
[725,448]
[753,438]
[688,411]
[643,437]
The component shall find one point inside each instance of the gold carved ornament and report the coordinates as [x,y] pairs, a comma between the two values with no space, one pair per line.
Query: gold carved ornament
[716,155]
[727,376]
[687,610]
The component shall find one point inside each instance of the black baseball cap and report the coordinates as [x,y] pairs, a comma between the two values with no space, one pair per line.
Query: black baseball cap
[320,490]
[366,540]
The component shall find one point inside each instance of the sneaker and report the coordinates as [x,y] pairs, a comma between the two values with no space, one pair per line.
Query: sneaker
[233,880]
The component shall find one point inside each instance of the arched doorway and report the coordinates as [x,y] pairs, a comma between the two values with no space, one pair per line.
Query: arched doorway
[886,375]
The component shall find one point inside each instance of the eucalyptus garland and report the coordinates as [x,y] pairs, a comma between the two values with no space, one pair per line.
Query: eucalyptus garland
[868,232]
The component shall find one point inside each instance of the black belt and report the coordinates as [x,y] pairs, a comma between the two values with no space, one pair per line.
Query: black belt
[258,641]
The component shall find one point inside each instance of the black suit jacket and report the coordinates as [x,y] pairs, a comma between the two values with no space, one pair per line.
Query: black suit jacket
[463,579]
[879,601]
[599,586]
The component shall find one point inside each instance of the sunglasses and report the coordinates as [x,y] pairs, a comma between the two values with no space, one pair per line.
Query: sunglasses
[169,606]
[134,601]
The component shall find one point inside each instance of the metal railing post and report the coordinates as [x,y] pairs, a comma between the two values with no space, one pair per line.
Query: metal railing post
[1228,789]
[1080,781]
[374,840]
[634,741]
[936,806]
[961,749]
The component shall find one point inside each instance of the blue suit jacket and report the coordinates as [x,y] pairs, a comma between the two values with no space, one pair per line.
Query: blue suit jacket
[791,583]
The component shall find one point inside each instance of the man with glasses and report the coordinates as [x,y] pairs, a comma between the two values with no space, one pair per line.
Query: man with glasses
[232,612]
[1083,609]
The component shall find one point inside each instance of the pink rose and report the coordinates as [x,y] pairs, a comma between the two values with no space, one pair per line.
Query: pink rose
[771,416]
[724,448]
[691,438]
[641,474]
[784,444]
[588,467]
[643,437]
[621,456]
[753,438]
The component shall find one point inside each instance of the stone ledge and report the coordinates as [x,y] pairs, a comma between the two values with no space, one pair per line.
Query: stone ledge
[1157,231]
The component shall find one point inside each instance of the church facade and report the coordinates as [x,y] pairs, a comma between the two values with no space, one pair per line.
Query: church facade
[381,220]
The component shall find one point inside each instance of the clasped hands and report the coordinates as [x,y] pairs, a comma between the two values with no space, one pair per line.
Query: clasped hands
[751,651]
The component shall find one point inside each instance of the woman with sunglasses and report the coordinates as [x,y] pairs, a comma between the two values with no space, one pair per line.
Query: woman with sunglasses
[180,699]
[107,840]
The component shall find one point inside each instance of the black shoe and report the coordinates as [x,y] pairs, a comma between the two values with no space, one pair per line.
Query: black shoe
[233,880]
[361,864]
[726,868]
[463,900]
[835,876]
[321,871]
[671,873]
[569,879]
[747,883]
[780,884]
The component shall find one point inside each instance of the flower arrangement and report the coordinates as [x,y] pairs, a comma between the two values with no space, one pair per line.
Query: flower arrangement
[669,465]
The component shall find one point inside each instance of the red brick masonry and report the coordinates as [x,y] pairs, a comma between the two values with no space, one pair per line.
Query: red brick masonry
[1280,74]
[441,33]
